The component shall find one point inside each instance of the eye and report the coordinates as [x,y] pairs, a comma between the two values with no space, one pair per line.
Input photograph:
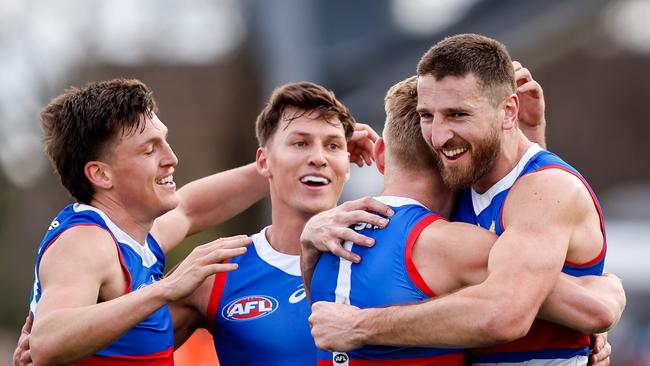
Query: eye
[425,116]
[149,151]
[333,146]
[300,143]
[458,115]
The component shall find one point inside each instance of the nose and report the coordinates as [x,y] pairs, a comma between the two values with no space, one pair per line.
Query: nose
[440,133]
[169,158]
[317,156]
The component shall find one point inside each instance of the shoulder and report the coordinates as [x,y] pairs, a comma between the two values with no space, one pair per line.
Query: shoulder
[81,244]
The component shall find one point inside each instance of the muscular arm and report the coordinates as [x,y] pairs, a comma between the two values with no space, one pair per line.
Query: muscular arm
[80,268]
[523,267]
[209,201]
[590,304]
[451,255]
[69,323]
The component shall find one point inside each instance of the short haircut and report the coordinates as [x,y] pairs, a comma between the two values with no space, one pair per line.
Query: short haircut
[402,128]
[307,97]
[485,58]
[80,125]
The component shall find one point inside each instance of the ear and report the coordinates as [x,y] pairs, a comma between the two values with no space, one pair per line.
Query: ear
[379,152]
[99,174]
[262,162]
[511,110]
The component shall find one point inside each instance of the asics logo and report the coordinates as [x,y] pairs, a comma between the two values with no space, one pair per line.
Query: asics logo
[298,295]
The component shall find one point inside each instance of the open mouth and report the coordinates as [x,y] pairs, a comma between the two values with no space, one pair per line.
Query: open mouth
[455,153]
[168,180]
[314,181]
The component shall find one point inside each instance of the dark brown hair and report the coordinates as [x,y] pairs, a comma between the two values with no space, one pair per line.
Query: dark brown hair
[79,125]
[307,97]
[485,58]
[402,128]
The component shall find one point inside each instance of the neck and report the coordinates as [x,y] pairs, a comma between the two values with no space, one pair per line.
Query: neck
[136,227]
[425,187]
[286,227]
[513,146]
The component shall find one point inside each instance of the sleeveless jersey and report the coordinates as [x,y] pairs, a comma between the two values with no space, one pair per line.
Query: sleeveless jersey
[151,342]
[258,313]
[386,276]
[546,343]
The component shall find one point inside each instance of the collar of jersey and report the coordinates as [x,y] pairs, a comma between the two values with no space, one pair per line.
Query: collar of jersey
[287,263]
[148,258]
[481,201]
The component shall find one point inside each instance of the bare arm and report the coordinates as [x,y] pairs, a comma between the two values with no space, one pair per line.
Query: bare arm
[69,324]
[532,121]
[590,304]
[451,255]
[210,201]
[523,266]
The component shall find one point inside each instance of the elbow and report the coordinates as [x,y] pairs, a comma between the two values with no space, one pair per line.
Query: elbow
[504,325]
[604,319]
[44,353]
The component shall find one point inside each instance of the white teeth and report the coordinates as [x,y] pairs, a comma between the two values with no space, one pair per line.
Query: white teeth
[167,179]
[454,152]
[314,179]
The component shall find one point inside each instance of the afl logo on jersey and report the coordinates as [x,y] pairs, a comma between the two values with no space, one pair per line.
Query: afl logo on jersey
[249,308]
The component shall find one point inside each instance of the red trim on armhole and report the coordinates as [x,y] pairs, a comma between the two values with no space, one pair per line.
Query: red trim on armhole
[408,258]
[603,250]
[215,297]
[117,246]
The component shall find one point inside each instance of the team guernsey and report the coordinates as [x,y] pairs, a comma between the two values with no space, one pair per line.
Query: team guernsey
[385,276]
[149,343]
[259,314]
[546,343]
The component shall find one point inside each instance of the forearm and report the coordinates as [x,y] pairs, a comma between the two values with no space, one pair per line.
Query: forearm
[308,260]
[214,199]
[467,318]
[590,304]
[66,335]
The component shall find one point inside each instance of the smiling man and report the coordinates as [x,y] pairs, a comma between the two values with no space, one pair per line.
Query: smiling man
[99,297]
[258,314]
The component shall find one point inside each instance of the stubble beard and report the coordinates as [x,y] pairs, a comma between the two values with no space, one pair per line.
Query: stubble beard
[483,158]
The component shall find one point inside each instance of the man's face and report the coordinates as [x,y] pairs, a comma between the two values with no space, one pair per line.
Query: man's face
[307,161]
[141,165]
[462,127]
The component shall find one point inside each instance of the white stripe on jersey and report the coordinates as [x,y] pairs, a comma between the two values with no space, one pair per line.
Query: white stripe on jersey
[573,361]
[342,292]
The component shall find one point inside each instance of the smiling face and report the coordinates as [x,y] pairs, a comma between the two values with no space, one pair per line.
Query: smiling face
[140,167]
[462,126]
[306,162]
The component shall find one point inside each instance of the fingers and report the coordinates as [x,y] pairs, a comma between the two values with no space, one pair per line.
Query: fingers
[230,242]
[531,87]
[370,133]
[27,327]
[360,216]
[220,254]
[368,204]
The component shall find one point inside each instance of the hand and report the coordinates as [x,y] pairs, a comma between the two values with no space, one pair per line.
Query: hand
[361,144]
[22,354]
[203,261]
[326,231]
[531,98]
[601,352]
[332,326]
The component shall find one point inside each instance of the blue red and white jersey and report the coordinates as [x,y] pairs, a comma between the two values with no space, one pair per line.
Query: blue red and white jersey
[386,276]
[546,343]
[151,342]
[259,314]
